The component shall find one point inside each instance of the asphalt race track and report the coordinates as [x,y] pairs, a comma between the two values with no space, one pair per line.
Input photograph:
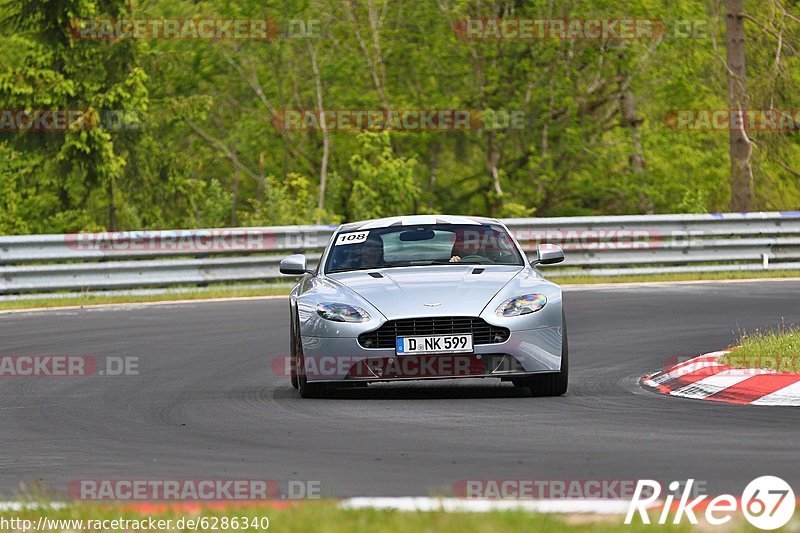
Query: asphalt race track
[207,404]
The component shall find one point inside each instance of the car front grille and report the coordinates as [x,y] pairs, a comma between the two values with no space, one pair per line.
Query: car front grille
[386,335]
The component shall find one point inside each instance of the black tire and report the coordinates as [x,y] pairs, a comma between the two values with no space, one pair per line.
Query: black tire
[554,383]
[307,390]
[294,340]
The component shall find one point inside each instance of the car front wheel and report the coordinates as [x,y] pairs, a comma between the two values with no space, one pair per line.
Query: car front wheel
[293,343]
[551,383]
[307,390]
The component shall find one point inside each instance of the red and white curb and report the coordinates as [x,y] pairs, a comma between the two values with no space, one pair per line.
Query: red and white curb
[706,378]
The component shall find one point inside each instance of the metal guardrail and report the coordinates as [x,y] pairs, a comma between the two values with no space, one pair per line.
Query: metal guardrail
[609,246]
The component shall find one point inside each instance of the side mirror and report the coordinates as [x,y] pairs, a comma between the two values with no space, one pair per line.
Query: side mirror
[549,254]
[294,265]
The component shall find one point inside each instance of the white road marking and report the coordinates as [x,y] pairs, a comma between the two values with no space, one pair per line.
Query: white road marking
[20,506]
[450,505]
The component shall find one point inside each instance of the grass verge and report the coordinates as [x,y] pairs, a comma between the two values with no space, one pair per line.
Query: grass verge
[687,276]
[324,516]
[99,298]
[775,349]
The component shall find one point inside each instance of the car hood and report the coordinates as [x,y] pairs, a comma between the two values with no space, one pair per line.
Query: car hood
[442,290]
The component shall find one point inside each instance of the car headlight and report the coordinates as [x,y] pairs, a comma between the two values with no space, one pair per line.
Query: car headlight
[342,312]
[522,305]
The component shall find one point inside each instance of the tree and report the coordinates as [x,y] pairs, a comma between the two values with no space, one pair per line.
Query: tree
[740,145]
[82,165]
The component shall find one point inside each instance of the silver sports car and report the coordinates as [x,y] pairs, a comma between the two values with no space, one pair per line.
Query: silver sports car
[426,297]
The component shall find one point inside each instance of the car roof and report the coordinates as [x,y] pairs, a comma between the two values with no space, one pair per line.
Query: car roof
[414,220]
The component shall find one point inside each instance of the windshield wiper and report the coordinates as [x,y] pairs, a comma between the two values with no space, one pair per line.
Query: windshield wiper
[452,262]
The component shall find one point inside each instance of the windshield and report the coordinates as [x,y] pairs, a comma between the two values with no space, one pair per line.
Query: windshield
[429,244]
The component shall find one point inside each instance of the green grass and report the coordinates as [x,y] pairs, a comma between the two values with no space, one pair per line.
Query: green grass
[775,349]
[222,291]
[84,299]
[688,276]
[325,516]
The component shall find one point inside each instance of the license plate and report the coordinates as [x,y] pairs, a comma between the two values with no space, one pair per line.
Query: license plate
[434,344]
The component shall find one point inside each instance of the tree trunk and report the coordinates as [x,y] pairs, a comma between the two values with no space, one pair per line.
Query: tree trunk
[741,180]
[375,64]
[262,178]
[326,138]
[492,161]
[235,191]
[631,120]
[434,152]
[112,207]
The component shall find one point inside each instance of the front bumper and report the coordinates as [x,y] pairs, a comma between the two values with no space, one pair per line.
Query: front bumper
[343,359]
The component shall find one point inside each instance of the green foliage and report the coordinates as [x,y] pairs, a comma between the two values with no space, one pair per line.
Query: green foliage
[384,183]
[11,173]
[290,201]
[205,151]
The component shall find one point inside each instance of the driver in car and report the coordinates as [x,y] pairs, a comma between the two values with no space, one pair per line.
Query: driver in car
[371,251]
[463,247]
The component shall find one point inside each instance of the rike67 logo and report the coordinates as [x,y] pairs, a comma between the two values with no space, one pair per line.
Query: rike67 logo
[767,502]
